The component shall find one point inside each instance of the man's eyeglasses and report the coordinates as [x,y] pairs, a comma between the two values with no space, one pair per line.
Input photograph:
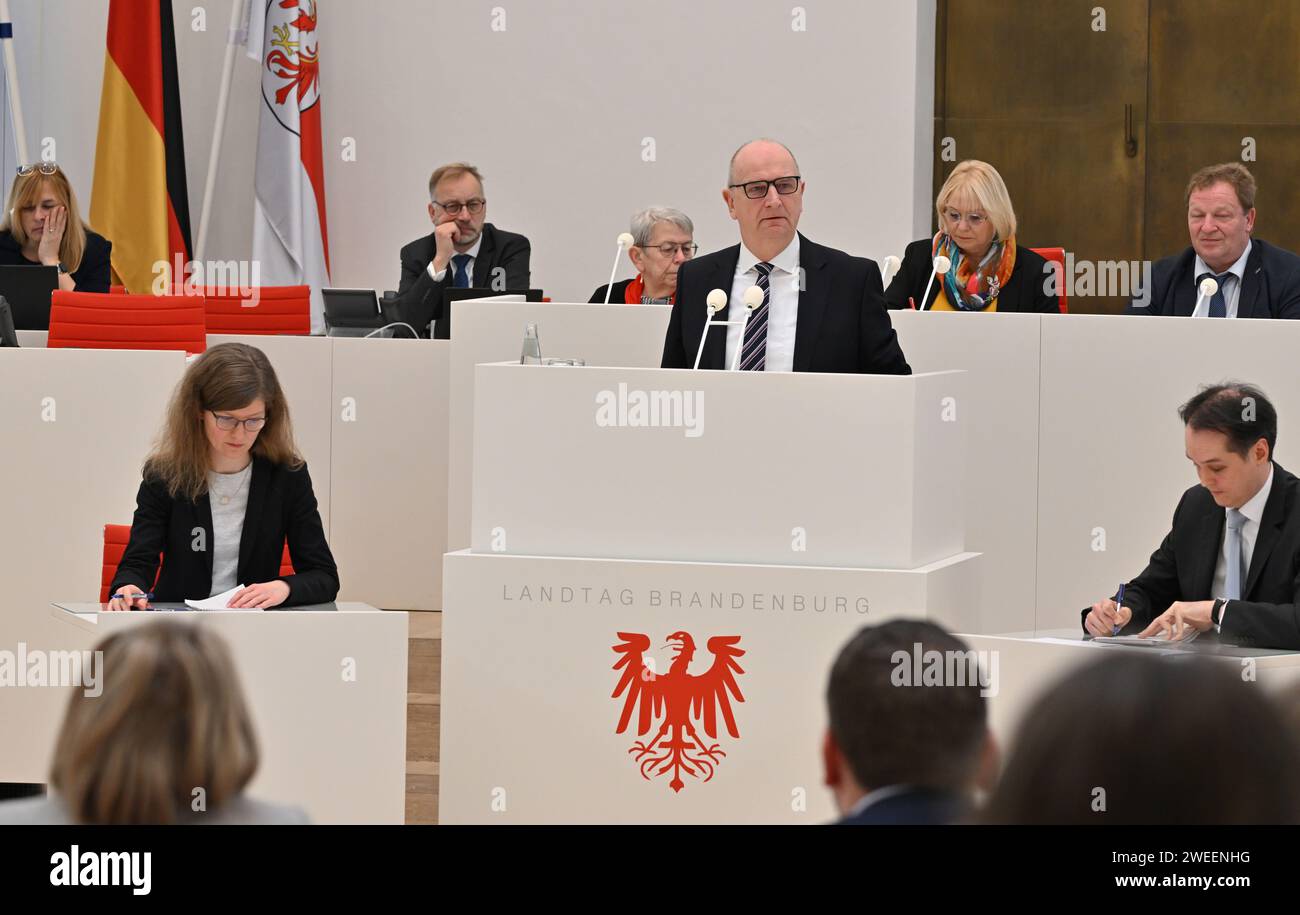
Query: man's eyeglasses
[974,220]
[228,423]
[756,190]
[453,207]
[668,249]
[45,168]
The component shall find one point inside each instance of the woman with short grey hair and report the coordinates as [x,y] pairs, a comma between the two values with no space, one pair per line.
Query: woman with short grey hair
[663,239]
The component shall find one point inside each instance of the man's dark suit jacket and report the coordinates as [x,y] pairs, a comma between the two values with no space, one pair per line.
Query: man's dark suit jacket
[842,324]
[281,506]
[913,807]
[1182,569]
[1269,289]
[419,298]
[1023,291]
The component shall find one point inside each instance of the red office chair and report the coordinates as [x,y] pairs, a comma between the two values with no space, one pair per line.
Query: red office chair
[278,310]
[1057,257]
[117,536]
[117,290]
[89,320]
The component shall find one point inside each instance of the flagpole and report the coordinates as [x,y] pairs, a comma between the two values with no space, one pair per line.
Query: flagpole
[233,41]
[11,77]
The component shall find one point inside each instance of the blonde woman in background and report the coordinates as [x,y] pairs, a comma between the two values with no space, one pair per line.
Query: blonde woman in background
[42,226]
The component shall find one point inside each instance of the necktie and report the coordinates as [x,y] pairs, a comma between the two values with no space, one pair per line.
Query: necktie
[753,352]
[1218,304]
[461,279]
[1235,570]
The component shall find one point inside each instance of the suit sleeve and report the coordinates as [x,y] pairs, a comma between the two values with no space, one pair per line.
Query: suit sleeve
[316,577]
[674,348]
[1044,303]
[1262,625]
[1151,593]
[95,272]
[878,349]
[905,284]
[418,294]
[139,565]
[1288,299]
[515,261]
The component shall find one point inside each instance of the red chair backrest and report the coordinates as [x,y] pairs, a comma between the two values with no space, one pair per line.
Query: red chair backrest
[117,536]
[277,310]
[1057,257]
[90,320]
[117,290]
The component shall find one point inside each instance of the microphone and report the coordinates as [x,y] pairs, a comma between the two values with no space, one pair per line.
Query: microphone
[1209,286]
[753,298]
[941,265]
[716,301]
[625,241]
[889,268]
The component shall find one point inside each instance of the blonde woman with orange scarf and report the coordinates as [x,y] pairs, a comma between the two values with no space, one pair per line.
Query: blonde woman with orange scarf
[987,270]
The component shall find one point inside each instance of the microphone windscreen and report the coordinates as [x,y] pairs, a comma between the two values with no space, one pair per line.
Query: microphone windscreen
[942,264]
[1209,287]
[717,299]
[626,240]
[753,297]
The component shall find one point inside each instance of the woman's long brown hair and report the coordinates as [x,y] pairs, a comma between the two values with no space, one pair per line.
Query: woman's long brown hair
[229,376]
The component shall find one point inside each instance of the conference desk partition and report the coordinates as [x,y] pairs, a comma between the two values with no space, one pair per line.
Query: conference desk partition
[699,537]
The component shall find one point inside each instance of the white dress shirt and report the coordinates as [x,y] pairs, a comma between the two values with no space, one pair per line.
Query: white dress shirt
[1254,511]
[782,305]
[1231,285]
[469,267]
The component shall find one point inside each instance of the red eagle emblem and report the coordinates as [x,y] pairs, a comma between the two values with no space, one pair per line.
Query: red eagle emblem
[682,700]
[293,59]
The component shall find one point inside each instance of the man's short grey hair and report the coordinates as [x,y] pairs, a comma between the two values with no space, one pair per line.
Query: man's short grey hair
[731,166]
[643,223]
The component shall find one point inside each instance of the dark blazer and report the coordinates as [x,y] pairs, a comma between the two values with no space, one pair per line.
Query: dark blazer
[913,807]
[281,505]
[842,324]
[93,274]
[615,296]
[419,298]
[1182,569]
[1270,287]
[1023,291]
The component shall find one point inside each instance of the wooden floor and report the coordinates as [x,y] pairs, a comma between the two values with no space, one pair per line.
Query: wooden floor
[423,704]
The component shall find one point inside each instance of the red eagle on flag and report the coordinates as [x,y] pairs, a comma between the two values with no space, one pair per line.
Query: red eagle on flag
[682,700]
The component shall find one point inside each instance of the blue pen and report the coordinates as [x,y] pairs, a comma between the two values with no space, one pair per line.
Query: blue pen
[1119,602]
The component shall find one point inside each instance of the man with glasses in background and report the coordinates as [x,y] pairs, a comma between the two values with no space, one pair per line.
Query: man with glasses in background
[822,310]
[662,240]
[462,251]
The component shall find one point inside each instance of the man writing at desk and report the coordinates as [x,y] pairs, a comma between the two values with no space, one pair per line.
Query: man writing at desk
[1232,560]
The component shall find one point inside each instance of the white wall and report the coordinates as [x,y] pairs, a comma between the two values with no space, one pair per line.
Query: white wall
[553,109]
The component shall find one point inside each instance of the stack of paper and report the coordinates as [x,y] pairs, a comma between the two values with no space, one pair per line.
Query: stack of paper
[218,601]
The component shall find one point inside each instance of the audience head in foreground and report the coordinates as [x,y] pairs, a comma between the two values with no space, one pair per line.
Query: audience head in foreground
[1134,739]
[168,740]
[902,748]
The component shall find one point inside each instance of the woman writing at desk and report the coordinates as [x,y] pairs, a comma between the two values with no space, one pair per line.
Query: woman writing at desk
[223,490]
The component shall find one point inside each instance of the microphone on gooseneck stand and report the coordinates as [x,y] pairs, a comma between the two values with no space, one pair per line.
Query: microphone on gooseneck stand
[941,265]
[1209,286]
[625,241]
[753,298]
[716,301]
[888,268]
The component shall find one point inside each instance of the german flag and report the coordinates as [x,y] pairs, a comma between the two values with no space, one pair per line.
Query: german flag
[139,201]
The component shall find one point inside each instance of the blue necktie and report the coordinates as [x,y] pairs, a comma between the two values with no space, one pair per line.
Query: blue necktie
[753,352]
[1235,570]
[461,279]
[1218,304]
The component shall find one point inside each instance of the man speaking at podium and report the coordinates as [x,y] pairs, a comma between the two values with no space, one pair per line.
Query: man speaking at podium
[1232,560]
[832,321]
